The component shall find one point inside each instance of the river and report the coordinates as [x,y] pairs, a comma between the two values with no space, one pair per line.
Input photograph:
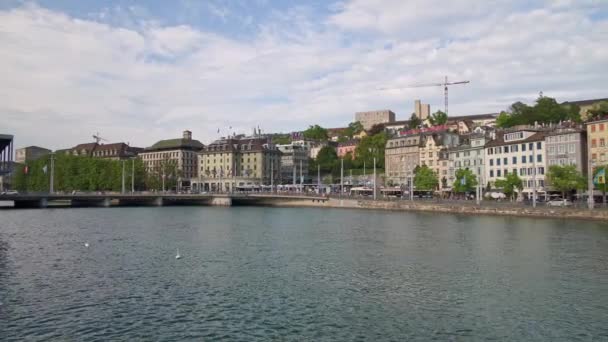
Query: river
[300,274]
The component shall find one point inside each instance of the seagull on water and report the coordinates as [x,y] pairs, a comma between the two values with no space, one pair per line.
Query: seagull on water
[86,244]
[178,256]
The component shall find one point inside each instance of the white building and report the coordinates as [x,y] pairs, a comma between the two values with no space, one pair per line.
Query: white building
[520,152]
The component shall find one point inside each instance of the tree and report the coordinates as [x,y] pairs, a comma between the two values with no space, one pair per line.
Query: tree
[353,128]
[509,184]
[438,118]
[598,111]
[375,129]
[369,147]
[327,158]
[315,132]
[281,139]
[425,179]
[545,110]
[415,122]
[466,181]
[565,178]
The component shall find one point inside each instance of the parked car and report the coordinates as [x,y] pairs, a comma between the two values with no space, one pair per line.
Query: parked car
[559,202]
[10,192]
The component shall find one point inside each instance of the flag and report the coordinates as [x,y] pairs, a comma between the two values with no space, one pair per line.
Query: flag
[600,177]
[44,168]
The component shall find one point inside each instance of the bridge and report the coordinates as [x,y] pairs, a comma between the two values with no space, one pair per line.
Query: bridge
[44,200]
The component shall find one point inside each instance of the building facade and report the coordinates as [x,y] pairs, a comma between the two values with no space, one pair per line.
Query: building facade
[30,153]
[114,151]
[294,164]
[401,156]
[567,146]
[176,158]
[238,164]
[422,110]
[597,133]
[470,155]
[434,153]
[6,160]
[347,147]
[521,152]
[371,118]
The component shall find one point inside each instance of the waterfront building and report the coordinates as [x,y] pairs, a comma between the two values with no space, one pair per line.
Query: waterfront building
[114,151]
[469,155]
[434,152]
[371,118]
[347,147]
[597,133]
[401,156]
[517,151]
[178,156]
[30,153]
[6,160]
[567,146]
[238,163]
[294,164]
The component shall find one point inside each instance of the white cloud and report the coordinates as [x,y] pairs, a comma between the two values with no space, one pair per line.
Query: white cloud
[65,78]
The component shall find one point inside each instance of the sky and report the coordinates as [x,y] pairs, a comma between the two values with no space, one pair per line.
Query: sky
[141,71]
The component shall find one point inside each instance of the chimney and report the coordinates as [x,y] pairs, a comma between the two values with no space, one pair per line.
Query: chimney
[187,135]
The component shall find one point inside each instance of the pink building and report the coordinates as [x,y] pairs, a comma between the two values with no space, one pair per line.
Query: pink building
[345,147]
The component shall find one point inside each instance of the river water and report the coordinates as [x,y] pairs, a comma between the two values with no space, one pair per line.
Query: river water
[298,274]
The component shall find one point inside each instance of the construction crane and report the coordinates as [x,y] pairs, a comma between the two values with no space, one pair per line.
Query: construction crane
[444,84]
[98,138]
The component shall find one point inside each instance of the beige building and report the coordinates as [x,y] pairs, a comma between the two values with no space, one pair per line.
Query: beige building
[114,151]
[422,110]
[238,164]
[597,135]
[173,158]
[371,118]
[30,153]
[401,156]
[434,153]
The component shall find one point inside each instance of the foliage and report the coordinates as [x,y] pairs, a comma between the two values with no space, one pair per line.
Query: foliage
[353,128]
[281,139]
[316,132]
[375,129]
[425,179]
[598,111]
[545,110]
[470,181]
[415,122]
[168,171]
[509,184]
[438,118]
[78,173]
[369,147]
[565,178]
[327,158]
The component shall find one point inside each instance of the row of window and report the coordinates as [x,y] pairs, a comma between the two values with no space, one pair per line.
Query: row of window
[602,157]
[600,127]
[522,171]
[602,142]
[561,138]
[515,148]
[561,149]
[524,159]
[562,161]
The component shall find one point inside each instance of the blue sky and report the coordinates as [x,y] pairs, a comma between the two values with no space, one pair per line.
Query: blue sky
[140,71]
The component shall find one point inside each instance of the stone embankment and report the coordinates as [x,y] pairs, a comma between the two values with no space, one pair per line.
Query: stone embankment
[454,208]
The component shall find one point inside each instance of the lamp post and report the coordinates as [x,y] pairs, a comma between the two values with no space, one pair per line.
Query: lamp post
[133,175]
[341,176]
[52,180]
[318,178]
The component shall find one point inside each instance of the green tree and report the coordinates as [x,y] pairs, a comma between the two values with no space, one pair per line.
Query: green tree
[598,111]
[425,179]
[510,184]
[375,129]
[369,147]
[466,181]
[327,158]
[414,122]
[353,128]
[545,110]
[316,132]
[565,178]
[438,118]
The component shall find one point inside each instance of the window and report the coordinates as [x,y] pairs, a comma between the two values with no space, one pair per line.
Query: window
[541,170]
[514,160]
[551,150]
[539,145]
[491,173]
[505,161]
[505,149]
[522,171]
[514,148]
[491,162]
[602,142]
[601,127]
[531,146]
[523,147]
[497,173]
[561,149]
[592,128]
[539,158]
[593,156]
[593,143]
[498,161]
[523,159]
[430,154]
[571,148]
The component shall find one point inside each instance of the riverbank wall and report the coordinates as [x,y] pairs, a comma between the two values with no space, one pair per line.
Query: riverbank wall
[453,208]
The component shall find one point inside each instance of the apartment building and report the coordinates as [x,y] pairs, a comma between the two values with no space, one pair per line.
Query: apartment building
[597,133]
[401,156]
[434,152]
[294,164]
[469,155]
